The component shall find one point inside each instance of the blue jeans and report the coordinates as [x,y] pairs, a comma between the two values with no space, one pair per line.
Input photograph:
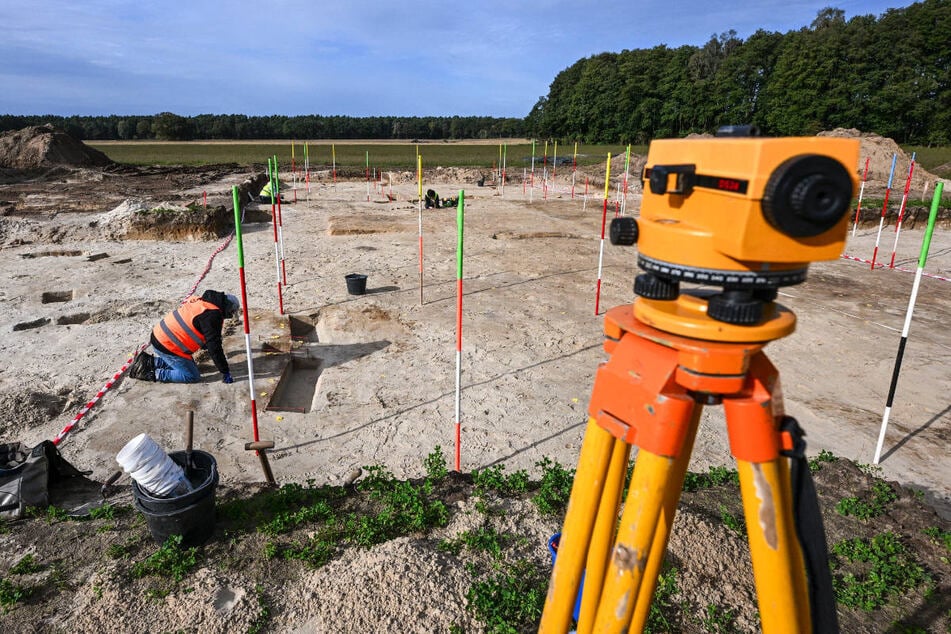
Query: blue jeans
[171,368]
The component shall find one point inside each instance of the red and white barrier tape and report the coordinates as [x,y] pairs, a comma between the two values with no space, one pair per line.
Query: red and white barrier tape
[897,268]
[115,377]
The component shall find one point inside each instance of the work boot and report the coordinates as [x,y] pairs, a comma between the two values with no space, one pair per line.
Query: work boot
[143,368]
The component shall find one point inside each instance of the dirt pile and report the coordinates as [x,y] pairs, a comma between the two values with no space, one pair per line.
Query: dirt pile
[879,151]
[43,146]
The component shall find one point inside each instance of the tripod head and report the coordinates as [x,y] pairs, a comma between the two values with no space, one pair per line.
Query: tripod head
[743,215]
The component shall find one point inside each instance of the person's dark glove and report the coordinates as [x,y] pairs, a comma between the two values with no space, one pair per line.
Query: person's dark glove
[227,378]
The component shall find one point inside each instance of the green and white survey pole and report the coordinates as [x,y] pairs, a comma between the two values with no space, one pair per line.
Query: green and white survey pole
[277,253]
[922,258]
[460,222]
[280,222]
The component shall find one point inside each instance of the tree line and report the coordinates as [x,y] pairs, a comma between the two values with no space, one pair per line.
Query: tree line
[886,74]
[889,74]
[168,126]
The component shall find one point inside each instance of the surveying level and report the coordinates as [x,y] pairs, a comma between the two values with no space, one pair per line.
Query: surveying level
[740,217]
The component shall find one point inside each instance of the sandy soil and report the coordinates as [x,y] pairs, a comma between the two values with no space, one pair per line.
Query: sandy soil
[371,378]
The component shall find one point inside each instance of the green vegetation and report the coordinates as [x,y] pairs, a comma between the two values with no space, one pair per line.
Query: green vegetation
[495,479]
[824,457]
[877,503]
[858,73]
[511,599]
[733,522]
[886,570]
[715,476]
[171,561]
[26,566]
[939,536]
[351,157]
[11,594]
[664,608]
[555,487]
[719,620]
[264,612]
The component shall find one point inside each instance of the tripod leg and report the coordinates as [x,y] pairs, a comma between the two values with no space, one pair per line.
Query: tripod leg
[603,535]
[583,505]
[648,496]
[666,521]
[778,568]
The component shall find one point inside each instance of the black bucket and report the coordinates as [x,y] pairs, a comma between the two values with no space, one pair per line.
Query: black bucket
[191,515]
[356,284]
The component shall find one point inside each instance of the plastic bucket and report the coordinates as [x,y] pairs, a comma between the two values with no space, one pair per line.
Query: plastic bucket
[151,468]
[553,551]
[356,284]
[191,515]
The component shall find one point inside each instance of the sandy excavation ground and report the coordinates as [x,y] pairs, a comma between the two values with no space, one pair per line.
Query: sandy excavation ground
[371,378]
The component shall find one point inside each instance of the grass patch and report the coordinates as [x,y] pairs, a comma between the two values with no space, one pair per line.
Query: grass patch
[715,476]
[11,594]
[876,504]
[170,561]
[555,487]
[352,156]
[817,462]
[495,479]
[883,569]
[510,600]
[26,566]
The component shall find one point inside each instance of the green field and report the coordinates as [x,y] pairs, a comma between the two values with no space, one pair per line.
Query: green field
[385,155]
[392,155]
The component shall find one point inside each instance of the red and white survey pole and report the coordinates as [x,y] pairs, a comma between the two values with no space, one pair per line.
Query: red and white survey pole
[277,256]
[247,334]
[901,209]
[460,222]
[881,223]
[858,210]
[604,219]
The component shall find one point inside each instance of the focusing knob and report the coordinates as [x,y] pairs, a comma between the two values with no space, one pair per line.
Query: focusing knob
[807,195]
[650,286]
[735,307]
[623,231]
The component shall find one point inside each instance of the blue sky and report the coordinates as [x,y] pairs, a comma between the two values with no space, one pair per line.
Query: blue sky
[332,57]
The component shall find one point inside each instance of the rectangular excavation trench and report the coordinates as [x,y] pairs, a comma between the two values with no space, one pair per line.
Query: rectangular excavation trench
[296,388]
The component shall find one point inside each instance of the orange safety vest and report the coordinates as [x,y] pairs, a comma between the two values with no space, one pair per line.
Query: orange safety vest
[176,332]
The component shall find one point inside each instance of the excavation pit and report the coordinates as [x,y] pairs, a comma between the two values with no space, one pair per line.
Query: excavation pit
[296,388]
[59,253]
[70,320]
[29,325]
[51,297]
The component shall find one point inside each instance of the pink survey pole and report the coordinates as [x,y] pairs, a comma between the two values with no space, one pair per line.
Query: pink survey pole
[901,209]
[858,209]
[604,218]
[460,222]
[277,256]
[881,223]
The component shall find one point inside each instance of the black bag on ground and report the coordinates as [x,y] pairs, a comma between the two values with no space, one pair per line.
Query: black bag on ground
[25,476]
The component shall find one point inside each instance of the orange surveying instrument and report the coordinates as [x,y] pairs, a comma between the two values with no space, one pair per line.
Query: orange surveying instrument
[735,217]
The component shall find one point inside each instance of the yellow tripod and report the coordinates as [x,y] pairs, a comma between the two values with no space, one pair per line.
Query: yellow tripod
[746,215]
[651,393]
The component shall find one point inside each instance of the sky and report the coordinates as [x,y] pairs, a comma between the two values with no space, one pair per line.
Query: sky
[332,57]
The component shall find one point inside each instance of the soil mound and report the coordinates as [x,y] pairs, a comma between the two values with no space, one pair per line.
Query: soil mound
[44,146]
[880,150]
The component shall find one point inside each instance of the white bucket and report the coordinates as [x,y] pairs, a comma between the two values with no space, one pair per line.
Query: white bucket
[152,469]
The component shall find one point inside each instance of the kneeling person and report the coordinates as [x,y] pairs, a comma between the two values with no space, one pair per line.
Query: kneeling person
[195,324]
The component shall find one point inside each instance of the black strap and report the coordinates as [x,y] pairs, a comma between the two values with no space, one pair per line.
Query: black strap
[809,529]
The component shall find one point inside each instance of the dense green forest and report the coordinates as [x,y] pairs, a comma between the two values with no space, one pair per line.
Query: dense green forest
[889,74]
